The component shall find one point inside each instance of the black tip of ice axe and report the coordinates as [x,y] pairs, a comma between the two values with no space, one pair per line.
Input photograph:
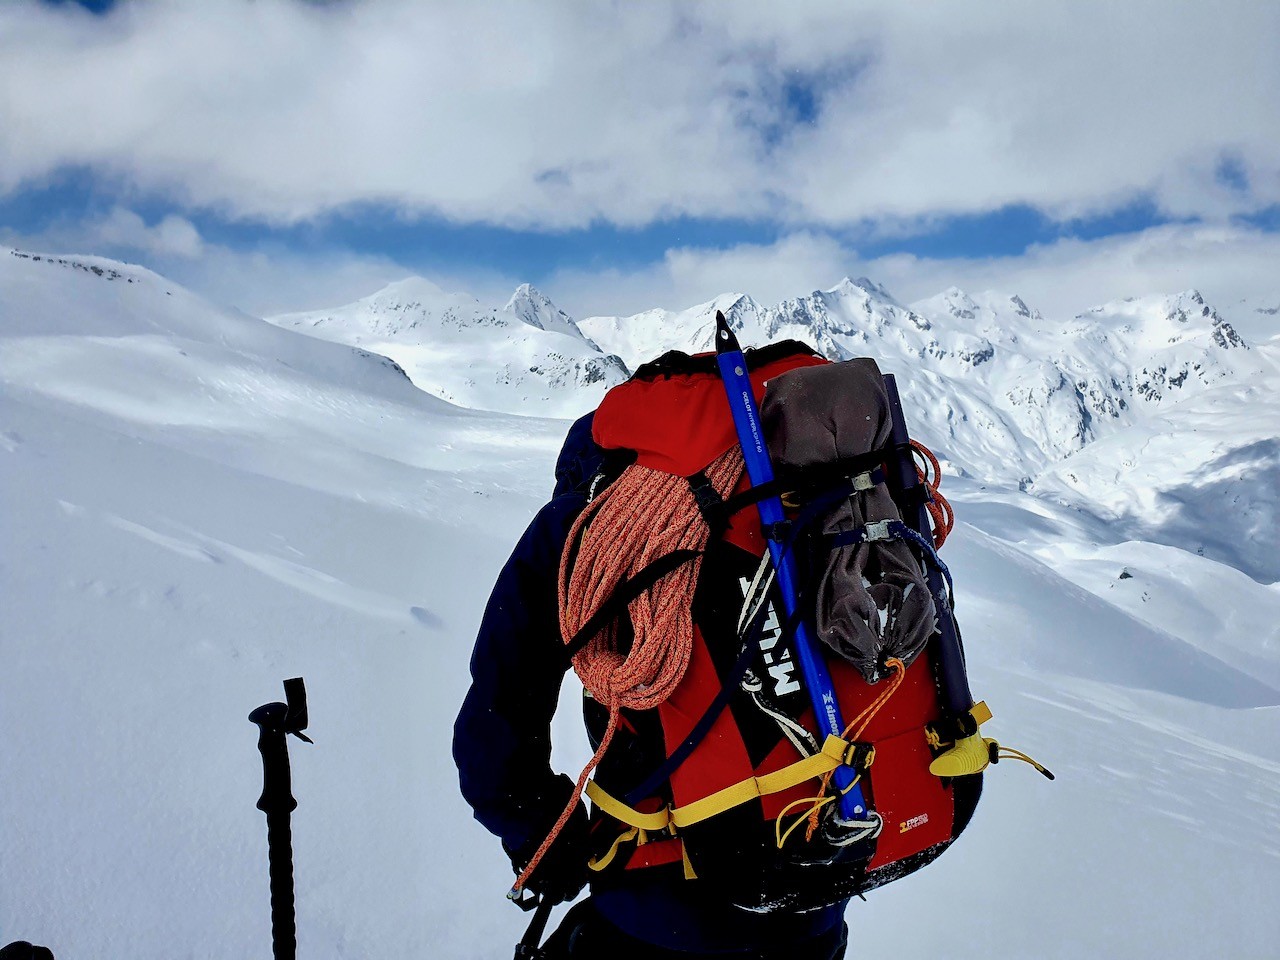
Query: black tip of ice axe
[726,342]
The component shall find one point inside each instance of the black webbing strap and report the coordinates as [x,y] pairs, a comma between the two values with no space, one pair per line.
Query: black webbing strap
[624,593]
[810,479]
[750,646]
[710,503]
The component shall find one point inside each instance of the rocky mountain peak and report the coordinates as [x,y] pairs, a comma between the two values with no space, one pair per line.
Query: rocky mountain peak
[529,305]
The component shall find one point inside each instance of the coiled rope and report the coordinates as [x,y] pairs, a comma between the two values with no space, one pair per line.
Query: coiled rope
[641,517]
[944,518]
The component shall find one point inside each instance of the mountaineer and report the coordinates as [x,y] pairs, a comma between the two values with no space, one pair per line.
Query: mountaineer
[725,624]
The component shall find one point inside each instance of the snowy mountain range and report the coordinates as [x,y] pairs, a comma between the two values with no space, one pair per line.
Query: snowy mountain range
[200,504]
[1001,392]
[995,385]
[526,357]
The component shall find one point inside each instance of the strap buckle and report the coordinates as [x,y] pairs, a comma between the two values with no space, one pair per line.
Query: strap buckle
[859,755]
[878,530]
[865,481]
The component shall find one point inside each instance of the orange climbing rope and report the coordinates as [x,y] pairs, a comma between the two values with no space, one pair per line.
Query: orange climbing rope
[641,517]
[944,518]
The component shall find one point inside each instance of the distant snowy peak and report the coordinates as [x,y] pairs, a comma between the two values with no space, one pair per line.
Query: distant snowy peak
[987,312]
[526,357]
[847,309]
[413,310]
[416,310]
[1162,320]
[827,320]
[529,305]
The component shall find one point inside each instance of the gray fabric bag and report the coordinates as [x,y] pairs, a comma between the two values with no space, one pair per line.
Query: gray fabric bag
[872,602]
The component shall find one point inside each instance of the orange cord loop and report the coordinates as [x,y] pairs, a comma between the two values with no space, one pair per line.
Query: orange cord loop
[860,722]
[940,512]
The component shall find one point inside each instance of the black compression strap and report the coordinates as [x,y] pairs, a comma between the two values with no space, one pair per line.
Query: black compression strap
[750,646]
[624,593]
[808,480]
[916,497]
[710,504]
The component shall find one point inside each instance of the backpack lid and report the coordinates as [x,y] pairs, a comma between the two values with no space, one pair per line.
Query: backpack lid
[673,412]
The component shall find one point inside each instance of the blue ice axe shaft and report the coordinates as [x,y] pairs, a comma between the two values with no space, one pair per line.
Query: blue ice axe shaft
[817,679]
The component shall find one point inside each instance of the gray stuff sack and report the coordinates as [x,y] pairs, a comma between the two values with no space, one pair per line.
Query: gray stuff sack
[872,602]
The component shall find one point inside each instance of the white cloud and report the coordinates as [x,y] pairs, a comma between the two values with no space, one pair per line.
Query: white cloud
[1228,264]
[689,275]
[261,280]
[558,114]
[123,229]
[118,233]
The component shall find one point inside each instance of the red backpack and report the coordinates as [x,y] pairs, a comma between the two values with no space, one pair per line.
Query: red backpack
[706,760]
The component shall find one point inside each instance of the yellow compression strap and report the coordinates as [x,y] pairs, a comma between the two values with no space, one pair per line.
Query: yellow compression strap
[651,822]
[834,752]
[600,862]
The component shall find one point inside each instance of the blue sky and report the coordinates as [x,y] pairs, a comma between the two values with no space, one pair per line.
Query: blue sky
[431,243]
[657,151]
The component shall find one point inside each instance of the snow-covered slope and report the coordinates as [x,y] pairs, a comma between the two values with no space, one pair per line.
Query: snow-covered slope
[528,357]
[1203,475]
[199,505]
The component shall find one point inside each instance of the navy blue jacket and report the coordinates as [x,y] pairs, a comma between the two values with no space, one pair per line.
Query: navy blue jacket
[502,738]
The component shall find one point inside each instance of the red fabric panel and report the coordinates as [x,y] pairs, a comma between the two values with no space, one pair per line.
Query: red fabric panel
[917,809]
[913,705]
[720,760]
[680,423]
[657,853]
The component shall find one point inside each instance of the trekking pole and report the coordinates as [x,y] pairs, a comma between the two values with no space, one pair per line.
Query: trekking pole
[275,722]
[529,947]
[817,678]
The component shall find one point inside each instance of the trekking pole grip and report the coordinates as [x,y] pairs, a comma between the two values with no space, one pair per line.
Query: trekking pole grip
[275,721]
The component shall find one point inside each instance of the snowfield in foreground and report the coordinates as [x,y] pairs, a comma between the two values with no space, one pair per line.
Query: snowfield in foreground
[199,505]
